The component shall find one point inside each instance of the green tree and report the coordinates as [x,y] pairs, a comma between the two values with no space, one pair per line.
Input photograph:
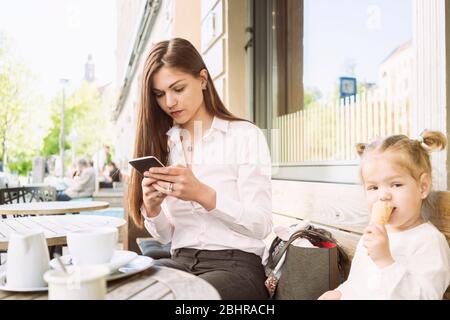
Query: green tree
[23,113]
[311,95]
[87,113]
[51,141]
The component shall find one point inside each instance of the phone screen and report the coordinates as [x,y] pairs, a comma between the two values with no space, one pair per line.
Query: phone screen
[145,163]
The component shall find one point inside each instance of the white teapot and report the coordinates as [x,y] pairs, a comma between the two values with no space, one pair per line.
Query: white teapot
[27,261]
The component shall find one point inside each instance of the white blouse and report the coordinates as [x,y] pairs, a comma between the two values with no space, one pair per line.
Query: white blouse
[421,269]
[232,158]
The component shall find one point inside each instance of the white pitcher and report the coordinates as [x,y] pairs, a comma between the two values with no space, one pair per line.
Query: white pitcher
[28,259]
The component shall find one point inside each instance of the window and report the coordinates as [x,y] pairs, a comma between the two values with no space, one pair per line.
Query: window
[336,72]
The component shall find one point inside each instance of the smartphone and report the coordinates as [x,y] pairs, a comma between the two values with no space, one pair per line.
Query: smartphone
[145,163]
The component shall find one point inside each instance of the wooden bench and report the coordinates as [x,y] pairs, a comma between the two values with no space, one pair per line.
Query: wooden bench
[341,209]
[348,237]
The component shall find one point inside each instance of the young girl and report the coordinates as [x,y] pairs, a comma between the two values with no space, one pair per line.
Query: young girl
[213,200]
[408,258]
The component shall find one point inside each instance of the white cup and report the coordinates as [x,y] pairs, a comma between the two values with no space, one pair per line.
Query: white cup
[28,259]
[92,246]
[79,283]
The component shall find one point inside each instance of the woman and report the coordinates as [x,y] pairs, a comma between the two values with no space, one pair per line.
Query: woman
[213,200]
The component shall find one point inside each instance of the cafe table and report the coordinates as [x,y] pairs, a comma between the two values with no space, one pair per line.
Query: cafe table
[55,228]
[155,283]
[51,207]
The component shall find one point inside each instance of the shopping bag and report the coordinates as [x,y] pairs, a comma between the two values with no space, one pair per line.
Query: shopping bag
[306,273]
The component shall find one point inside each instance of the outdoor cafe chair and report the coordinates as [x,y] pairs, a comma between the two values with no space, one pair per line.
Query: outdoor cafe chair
[29,194]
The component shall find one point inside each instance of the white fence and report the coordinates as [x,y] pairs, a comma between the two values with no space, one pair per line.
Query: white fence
[330,132]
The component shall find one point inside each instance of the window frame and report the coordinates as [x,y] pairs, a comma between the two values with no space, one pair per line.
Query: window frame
[342,172]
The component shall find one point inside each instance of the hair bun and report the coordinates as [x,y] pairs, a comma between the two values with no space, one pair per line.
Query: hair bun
[360,148]
[434,140]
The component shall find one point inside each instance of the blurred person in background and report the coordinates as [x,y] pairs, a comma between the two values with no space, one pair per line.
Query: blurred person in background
[83,184]
[110,174]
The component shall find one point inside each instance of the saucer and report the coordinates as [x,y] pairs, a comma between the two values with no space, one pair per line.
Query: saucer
[136,265]
[4,286]
[139,264]
[119,259]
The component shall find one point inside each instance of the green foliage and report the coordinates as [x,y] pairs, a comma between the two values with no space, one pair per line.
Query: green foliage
[23,113]
[30,126]
[86,117]
[22,167]
[311,95]
[51,141]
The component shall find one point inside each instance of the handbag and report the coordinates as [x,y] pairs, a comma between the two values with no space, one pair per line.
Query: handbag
[306,273]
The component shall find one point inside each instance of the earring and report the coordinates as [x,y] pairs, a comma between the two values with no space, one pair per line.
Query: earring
[204,87]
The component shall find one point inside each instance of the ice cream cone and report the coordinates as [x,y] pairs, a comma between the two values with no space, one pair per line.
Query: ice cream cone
[381,212]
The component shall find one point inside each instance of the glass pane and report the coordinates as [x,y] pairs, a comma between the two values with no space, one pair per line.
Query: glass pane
[287,56]
[347,81]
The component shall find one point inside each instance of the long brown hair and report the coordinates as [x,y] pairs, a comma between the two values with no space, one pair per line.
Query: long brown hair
[152,122]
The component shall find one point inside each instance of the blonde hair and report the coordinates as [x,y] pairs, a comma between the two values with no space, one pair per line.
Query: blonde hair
[413,154]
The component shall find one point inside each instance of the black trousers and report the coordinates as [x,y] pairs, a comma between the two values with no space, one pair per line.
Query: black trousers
[235,274]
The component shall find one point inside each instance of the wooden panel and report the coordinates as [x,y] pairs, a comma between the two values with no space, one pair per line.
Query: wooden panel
[338,205]
[343,206]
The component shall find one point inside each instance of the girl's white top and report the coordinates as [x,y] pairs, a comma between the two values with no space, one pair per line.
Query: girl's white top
[421,269]
[232,158]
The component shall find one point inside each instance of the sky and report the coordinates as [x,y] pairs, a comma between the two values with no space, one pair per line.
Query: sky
[340,32]
[54,38]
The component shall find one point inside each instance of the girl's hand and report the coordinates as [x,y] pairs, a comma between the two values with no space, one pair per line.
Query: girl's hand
[376,241]
[180,182]
[152,198]
[331,295]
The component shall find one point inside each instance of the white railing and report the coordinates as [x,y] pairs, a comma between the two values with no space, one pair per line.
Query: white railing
[329,132]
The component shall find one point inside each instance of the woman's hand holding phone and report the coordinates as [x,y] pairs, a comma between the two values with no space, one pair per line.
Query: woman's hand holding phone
[152,198]
[180,182]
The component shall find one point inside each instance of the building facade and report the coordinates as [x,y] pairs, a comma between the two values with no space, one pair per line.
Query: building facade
[255,55]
